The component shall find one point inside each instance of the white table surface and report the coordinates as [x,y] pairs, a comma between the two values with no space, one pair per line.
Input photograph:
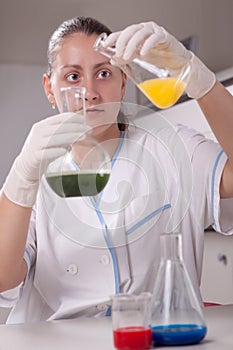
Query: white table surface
[94,333]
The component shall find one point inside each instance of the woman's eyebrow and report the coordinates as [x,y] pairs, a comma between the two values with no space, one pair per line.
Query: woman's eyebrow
[76,66]
[105,63]
[79,67]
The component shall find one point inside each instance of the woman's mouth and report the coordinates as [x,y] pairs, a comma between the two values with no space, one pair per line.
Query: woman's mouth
[94,110]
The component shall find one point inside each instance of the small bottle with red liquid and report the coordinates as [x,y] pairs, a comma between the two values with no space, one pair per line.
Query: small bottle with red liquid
[130,320]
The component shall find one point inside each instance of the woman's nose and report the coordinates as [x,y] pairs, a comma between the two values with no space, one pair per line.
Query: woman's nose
[91,91]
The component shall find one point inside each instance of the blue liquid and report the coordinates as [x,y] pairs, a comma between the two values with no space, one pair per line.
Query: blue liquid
[178,334]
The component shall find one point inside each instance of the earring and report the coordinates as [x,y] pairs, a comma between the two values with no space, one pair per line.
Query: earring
[53,105]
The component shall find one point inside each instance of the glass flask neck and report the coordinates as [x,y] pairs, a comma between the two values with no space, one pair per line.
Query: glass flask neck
[98,46]
[171,246]
[110,52]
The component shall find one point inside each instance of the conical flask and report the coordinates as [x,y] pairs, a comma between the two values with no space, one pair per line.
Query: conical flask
[161,76]
[176,315]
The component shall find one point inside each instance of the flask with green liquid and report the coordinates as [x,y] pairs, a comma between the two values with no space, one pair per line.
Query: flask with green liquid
[85,168]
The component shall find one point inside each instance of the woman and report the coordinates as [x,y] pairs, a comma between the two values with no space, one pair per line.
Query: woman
[63,258]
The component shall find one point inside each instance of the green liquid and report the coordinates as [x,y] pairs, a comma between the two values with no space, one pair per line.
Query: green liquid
[78,184]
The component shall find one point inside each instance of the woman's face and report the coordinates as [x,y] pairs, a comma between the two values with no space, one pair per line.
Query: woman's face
[77,64]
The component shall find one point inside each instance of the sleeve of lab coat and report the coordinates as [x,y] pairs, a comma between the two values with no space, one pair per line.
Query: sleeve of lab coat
[10,297]
[208,161]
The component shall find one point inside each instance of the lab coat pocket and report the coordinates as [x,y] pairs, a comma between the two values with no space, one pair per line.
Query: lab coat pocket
[146,219]
[147,212]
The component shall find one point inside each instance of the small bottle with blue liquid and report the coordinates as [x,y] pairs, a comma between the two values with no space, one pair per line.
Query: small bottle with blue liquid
[176,315]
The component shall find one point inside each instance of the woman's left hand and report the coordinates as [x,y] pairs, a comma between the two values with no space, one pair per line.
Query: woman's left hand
[143,37]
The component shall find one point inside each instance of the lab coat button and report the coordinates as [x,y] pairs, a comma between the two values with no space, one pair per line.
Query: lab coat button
[102,307]
[105,260]
[72,269]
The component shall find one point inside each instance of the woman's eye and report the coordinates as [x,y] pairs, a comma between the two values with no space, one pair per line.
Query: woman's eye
[104,74]
[73,77]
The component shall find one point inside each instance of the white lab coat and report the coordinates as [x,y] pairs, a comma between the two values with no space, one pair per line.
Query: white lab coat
[81,251]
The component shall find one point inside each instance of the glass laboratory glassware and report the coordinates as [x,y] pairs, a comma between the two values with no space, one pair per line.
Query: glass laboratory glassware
[130,321]
[88,175]
[176,315]
[159,75]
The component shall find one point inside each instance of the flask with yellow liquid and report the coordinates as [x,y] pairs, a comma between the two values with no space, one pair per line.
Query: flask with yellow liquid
[161,76]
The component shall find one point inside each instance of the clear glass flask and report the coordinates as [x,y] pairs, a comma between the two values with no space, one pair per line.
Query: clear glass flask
[176,315]
[161,76]
[85,168]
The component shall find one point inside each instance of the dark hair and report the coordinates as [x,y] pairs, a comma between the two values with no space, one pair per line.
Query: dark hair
[86,25]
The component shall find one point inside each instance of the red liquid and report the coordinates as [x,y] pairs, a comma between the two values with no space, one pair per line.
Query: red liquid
[135,338]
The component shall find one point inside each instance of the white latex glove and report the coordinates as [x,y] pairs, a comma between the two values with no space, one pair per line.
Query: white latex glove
[47,140]
[141,38]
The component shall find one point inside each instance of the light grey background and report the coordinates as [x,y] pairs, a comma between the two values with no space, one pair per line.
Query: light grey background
[26,25]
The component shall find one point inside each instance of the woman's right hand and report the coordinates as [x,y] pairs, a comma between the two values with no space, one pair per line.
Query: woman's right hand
[47,140]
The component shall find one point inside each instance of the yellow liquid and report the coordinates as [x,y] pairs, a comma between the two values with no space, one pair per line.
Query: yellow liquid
[164,92]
